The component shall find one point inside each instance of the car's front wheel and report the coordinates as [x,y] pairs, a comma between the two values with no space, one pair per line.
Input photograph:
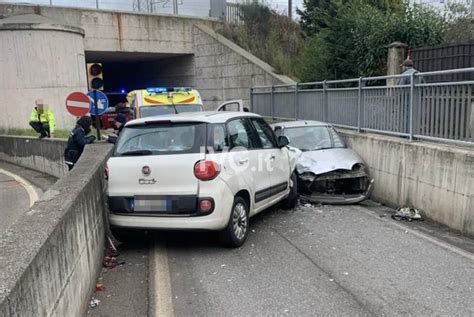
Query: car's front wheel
[236,232]
[291,201]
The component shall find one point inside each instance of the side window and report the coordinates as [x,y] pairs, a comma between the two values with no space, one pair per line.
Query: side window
[338,142]
[230,107]
[264,132]
[218,138]
[239,133]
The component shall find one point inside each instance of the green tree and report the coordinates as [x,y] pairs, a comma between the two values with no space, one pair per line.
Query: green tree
[356,35]
[271,36]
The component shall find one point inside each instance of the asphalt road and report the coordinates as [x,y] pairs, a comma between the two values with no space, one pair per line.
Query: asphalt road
[14,198]
[329,260]
[19,188]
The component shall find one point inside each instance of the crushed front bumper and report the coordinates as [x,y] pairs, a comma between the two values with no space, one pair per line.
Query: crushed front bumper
[342,199]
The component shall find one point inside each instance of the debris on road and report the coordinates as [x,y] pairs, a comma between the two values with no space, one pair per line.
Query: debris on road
[111,262]
[407,214]
[99,287]
[94,303]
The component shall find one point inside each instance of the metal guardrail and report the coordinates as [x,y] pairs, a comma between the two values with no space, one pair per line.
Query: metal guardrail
[203,8]
[434,111]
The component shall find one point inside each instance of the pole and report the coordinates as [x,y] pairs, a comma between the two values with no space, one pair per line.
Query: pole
[325,102]
[175,7]
[297,113]
[251,99]
[273,104]
[97,4]
[412,99]
[290,9]
[359,104]
[96,109]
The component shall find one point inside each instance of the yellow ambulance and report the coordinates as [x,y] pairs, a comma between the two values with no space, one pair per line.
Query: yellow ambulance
[157,101]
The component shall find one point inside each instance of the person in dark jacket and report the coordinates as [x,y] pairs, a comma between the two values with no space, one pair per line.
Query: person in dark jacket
[77,140]
[120,121]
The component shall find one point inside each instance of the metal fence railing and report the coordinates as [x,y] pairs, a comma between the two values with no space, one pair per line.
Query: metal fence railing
[436,111]
[233,15]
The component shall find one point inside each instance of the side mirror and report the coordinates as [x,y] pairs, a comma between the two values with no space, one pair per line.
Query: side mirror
[283,141]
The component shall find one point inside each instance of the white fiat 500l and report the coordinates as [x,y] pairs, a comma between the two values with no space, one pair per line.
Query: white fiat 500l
[205,171]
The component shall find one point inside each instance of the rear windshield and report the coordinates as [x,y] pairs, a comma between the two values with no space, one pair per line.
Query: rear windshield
[161,138]
[149,111]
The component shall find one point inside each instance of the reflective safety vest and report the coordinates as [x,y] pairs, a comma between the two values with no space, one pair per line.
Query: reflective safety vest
[44,116]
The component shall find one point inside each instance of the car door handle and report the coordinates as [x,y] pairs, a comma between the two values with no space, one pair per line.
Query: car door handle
[243,161]
[272,157]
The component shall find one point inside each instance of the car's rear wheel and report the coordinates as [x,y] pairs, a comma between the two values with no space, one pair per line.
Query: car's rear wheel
[236,232]
[292,199]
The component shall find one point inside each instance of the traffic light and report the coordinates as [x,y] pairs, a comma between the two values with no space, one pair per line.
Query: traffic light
[95,76]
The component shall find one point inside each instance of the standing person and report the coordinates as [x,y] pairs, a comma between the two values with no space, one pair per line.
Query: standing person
[119,123]
[42,120]
[408,69]
[77,140]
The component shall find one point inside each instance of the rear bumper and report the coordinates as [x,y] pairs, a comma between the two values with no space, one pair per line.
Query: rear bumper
[210,222]
[217,220]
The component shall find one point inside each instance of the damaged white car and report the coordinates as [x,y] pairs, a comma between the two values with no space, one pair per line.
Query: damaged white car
[328,172]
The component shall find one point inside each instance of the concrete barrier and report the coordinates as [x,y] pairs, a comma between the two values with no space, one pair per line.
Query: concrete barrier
[436,178]
[45,155]
[50,258]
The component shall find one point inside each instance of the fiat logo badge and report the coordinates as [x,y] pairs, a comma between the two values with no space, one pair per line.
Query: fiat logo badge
[146,170]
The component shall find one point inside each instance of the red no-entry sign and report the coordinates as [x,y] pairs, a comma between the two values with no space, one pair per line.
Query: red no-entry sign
[77,103]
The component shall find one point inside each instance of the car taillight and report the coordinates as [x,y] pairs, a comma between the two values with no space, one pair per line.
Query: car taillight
[206,205]
[106,172]
[206,170]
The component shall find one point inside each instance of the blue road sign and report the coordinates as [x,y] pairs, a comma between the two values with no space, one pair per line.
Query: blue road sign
[102,102]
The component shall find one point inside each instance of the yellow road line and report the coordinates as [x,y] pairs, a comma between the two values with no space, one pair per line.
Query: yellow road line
[161,302]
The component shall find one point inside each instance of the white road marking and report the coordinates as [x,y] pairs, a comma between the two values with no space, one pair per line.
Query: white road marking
[422,235]
[33,195]
[161,303]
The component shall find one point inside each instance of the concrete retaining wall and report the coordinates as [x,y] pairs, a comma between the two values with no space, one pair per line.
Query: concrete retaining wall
[436,178]
[51,257]
[46,156]
[225,71]
[121,31]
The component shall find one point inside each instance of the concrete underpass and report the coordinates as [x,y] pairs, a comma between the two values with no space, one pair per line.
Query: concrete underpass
[312,260]
[124,72]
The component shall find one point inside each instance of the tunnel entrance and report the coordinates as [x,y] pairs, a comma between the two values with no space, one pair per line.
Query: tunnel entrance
[127,71]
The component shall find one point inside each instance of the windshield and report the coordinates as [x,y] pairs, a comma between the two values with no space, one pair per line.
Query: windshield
[161,138]
[148,111]
[311,138]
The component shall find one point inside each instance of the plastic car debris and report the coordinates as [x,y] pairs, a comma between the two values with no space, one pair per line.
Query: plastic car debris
[94,303]
[407,214]
[110,262]
[99,287]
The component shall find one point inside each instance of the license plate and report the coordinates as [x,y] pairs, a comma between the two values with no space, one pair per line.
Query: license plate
[158,205]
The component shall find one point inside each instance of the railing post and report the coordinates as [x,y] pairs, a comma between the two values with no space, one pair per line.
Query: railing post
[325,102]
[251,100]
[273,104]
[297,113]
[359,105]
[175,7]
[412,98]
